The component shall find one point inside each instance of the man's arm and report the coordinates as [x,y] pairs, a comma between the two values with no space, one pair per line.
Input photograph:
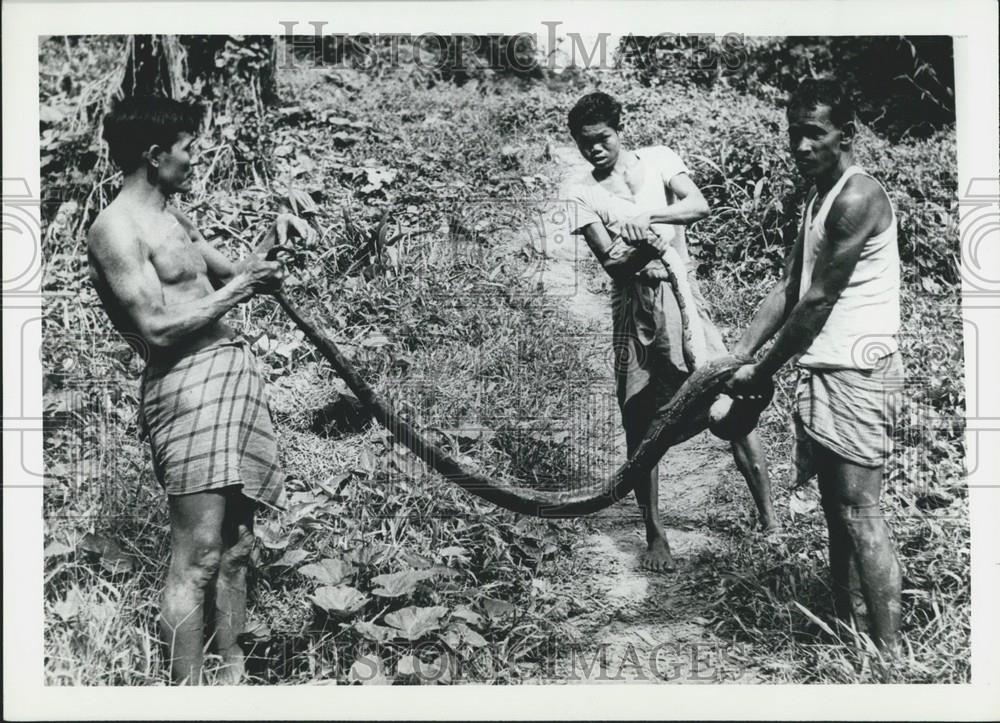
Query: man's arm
[128,275]
[220,269]
[853,218]
[690,206]
[621,261]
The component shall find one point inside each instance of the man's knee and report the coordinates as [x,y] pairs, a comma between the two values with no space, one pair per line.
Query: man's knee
[861,521]
[236,557]
[197,562]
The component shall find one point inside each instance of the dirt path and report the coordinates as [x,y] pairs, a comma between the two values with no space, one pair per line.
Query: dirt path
[638,626]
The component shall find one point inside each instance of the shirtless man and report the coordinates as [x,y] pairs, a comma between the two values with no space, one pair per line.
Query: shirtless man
[839,293]
[202,401]
[631,208]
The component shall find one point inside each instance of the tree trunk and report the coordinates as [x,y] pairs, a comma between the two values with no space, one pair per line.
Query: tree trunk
[170,65]
[154,66]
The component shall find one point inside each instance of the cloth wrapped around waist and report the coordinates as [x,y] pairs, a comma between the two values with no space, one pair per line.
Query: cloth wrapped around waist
[209,425]
[851,412]
[649,332]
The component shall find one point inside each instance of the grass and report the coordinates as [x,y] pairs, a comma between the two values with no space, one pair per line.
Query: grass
[452,330]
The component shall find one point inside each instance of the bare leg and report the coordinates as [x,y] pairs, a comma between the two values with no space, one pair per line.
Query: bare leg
[853,493]
[638,415]
[231,584]
[752,464]
[840,556]
[196,542]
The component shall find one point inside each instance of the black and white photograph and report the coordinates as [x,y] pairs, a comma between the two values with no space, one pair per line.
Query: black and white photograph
[546,357]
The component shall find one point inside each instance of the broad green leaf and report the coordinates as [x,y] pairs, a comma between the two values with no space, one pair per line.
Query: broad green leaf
[369,669]
[468,615]
[107,551]
[460,632]
[363,556]
[415,622]
[397,584]
[452,637]
[56,548]
[497,608]
[415,560]
[342,600]
[291,558]
[407,665]
[376,633]
[801,502]
[437,672]
[272,536]
[375,341]
[329,571]
[471,637]
[444,571]
[69,607]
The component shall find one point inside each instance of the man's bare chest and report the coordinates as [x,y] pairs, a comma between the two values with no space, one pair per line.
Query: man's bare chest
[173,255]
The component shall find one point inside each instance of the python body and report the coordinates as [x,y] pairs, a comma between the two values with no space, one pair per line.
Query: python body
[695,406]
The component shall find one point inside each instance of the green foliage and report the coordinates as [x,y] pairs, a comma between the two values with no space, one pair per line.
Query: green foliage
[904,86]
[425,59]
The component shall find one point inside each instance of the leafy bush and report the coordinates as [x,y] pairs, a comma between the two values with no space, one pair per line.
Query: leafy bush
[904,86]
[424,59]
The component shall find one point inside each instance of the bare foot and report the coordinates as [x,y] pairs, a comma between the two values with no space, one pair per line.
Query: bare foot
[769,528]
[657,557]
[232,670]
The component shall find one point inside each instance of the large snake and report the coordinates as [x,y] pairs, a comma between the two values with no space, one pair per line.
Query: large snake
[684,416]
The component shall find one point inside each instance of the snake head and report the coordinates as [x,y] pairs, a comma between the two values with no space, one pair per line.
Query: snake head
[731,419]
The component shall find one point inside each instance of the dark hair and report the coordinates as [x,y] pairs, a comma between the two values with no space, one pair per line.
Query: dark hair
[813,92]
[137,122]
[595,108]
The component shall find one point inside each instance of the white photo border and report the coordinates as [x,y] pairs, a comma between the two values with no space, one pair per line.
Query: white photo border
[973,25]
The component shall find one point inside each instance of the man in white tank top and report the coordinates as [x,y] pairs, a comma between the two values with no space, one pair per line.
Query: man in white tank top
[837,309]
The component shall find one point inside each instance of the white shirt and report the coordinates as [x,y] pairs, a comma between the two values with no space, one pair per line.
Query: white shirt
[864,322]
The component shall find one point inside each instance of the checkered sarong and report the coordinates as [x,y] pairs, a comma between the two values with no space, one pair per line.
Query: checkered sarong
[209,426]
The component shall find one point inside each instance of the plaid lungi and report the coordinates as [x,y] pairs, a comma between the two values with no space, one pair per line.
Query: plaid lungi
[851,412]
[209,425]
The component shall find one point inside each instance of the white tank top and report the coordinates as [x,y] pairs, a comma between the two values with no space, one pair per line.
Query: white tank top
[864,322]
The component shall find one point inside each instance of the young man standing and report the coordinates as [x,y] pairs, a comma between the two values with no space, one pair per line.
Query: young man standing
[202,399]
[631,208]
[837,301]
